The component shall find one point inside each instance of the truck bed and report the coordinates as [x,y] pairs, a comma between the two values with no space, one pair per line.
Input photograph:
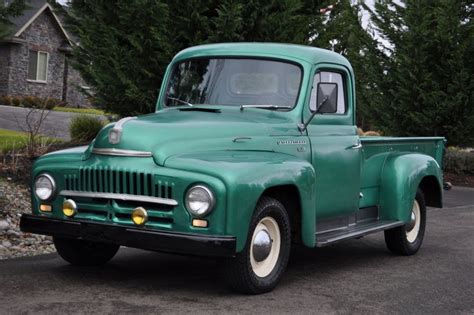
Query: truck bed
[376,150]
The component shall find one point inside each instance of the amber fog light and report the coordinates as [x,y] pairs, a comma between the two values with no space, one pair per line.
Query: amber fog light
[45,208]
[200,223]
[69,208]
[139,216]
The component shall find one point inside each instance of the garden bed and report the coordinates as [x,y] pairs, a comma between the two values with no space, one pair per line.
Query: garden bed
[14,201]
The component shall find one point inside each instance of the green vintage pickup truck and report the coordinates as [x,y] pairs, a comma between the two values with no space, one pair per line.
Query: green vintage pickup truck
[252,148]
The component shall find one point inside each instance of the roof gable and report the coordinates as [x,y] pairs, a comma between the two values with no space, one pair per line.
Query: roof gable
[34,9]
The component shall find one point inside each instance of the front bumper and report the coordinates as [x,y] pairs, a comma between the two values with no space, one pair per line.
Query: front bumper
[180,243]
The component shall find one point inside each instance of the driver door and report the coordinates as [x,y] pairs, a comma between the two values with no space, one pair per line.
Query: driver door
[335,149]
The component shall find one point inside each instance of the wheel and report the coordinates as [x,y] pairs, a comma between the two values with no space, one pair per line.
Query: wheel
[84,253]
[407,239]
[260,265]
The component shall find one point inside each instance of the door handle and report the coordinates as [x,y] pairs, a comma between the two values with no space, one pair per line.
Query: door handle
[356,146]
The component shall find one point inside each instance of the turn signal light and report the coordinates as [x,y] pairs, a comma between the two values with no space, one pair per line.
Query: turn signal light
[46,208]
[200,223]
[139,216]
[69,208]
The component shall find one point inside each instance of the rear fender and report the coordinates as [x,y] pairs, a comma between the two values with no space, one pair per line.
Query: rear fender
[400,179]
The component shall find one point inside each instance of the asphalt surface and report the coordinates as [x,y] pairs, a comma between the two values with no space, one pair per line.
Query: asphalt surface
[356,276]
[56,124]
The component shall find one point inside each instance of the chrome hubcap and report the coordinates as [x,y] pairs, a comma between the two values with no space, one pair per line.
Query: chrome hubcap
[265,247]
[413,226]
[262,245]
[412,222]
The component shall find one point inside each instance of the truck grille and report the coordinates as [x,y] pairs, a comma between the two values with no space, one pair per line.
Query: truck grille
[110,180]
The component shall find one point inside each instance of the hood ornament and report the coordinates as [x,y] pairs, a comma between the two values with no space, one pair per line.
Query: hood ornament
[115,134]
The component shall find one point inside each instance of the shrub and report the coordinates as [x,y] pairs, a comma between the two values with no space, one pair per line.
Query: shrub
[51,103]
[16,101]
[5,100]
[459,161]
[29,101]
[84,128]
[371,133]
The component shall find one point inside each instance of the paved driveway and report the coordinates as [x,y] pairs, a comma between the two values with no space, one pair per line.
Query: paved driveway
[357,276]
[56,124]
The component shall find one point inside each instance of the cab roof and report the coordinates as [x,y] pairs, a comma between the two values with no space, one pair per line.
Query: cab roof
[292,52]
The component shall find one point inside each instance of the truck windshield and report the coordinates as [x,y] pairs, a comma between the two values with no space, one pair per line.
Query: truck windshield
[233,81]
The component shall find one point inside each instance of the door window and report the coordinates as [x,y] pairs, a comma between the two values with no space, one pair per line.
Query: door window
[329,77]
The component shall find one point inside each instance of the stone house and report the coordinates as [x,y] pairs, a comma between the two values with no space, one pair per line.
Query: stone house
[34,60]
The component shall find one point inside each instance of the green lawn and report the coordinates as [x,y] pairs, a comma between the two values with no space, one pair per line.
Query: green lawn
[79,110]
[10,140]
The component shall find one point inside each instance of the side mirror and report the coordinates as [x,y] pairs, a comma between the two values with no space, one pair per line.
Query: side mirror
[327,97]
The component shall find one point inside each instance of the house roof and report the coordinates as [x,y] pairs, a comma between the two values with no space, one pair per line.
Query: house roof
[34,9]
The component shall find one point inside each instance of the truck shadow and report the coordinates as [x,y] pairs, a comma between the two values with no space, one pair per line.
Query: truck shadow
[158,273]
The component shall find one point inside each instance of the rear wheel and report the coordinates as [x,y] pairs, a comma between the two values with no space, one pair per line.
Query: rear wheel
[84,253]
[260,265]
[407,239]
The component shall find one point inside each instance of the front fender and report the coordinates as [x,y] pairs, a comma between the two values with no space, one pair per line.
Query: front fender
[401,177]
[246,176]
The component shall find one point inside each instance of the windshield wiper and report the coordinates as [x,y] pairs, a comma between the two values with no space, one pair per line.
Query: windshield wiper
[199,109]
[265,106]
[179,101]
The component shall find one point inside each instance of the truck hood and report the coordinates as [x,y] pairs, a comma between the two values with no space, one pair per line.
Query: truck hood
[176,130]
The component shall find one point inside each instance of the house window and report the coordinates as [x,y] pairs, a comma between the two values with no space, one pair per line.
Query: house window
[38,66]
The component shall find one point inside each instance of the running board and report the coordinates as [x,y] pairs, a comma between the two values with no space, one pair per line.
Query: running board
[357,230]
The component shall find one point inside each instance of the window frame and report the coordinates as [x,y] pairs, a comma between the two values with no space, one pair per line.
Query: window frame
[175,63]
[38,53]
[344,90]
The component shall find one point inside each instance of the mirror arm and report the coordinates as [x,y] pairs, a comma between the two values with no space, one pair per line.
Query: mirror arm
[302,127]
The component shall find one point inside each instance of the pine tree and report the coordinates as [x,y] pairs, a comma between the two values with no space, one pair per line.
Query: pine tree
[7,11]
[428,83]
[123,51]
[228,23]
[338,27]
[125,46]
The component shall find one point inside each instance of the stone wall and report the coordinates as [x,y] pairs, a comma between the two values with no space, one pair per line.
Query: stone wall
[42,35]
[75,86]
[4,68]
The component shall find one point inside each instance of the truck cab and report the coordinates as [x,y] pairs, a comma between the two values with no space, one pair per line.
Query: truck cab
[253,147]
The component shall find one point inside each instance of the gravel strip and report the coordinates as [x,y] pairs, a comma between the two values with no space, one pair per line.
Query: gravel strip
[15,200]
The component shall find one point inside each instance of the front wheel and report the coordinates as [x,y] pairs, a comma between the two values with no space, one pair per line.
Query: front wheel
[260,265]
[407,239]
[84,253]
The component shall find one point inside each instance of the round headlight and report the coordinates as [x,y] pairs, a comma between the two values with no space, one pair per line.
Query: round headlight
[44,187]
[199,200]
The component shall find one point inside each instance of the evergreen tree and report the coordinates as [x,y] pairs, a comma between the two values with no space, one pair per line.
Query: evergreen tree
[123,51]
[428,83]
[7,11]
[125,46]
[338,27]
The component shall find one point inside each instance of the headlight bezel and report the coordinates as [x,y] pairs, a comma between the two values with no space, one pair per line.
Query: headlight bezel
[53,186]
[212,201]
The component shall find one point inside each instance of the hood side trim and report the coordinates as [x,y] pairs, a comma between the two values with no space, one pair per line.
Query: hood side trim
[120,152]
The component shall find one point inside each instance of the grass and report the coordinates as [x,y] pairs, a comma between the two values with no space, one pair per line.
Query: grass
[79,110]
[10,140]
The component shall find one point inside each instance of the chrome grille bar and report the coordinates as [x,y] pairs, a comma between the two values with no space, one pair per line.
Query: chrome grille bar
[124,197]
[120,152]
